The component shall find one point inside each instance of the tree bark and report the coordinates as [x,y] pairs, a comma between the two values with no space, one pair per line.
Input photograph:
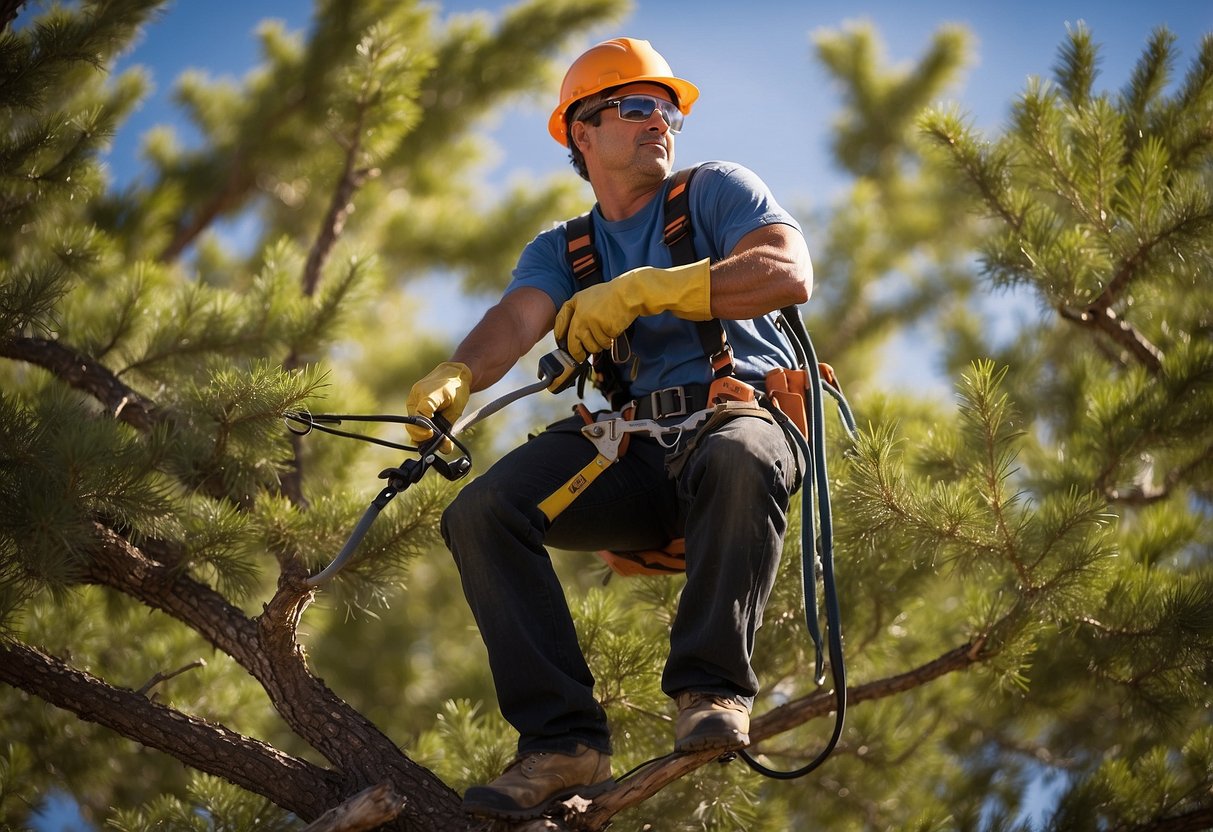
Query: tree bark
[87,375]
[267,648]
[366,810]
[9,9]
[1197,820]
[293,784]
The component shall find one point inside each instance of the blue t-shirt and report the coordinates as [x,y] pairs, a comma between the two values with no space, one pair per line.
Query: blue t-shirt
[727,202]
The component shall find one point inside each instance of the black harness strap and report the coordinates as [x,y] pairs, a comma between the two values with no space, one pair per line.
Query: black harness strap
[678,236]
[582,256]
[583,259]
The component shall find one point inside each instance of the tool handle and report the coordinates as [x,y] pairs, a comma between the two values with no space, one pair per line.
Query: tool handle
[347,551]
[562,497]
[560,369]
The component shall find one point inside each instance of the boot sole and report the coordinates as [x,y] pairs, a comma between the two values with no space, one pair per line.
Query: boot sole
[589,792]
[714,742]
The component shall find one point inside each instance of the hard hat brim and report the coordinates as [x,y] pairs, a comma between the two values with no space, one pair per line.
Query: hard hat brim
[685,94]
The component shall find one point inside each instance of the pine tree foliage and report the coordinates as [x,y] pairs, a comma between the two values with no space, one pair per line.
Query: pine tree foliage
[894,253]
[211,806]
[1099,204]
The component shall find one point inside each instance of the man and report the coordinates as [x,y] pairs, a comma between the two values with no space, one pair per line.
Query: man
[620,108]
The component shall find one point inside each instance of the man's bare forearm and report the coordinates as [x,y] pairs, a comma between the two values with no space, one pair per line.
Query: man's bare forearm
[505,333]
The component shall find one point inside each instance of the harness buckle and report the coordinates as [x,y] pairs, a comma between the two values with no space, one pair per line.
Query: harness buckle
[672,401]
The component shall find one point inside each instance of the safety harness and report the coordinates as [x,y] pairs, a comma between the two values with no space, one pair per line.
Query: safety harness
[784,387]
[792,398]
[586,265]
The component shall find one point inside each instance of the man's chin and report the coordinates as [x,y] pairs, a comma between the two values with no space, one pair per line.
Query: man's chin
[655,158]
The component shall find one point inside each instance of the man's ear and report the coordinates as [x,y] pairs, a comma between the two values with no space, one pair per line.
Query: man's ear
[579,133]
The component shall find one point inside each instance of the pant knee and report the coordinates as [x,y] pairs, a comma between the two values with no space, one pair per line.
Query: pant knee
[483,513]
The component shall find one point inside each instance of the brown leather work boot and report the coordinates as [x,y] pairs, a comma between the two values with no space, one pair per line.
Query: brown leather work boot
[709,721]
[535,780]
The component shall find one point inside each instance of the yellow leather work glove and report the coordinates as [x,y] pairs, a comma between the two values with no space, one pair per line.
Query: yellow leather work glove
[595,316]
[445,390]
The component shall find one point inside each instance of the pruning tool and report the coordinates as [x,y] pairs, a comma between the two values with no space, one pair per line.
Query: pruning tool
[557,372]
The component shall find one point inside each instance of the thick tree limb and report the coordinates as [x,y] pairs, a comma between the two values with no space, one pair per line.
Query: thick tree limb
[330,725]
[85,374]
[293,784]
[121,566]
[267,648]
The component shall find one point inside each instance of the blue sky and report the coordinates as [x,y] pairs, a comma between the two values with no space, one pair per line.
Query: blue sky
[765,102]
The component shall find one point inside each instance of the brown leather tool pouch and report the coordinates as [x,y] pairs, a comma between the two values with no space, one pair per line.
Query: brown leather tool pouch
[787,390]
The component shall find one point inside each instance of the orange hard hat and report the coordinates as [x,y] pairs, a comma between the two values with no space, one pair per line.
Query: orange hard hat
[614,63]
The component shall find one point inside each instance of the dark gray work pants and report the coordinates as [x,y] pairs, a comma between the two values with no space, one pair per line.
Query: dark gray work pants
[730,502]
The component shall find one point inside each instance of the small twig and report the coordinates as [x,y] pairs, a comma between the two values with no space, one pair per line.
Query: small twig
[164,677]
[1105,320]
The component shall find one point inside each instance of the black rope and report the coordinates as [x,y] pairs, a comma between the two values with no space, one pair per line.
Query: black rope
[817,479]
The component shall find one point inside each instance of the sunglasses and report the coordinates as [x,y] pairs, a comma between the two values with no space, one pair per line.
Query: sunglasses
[640,108]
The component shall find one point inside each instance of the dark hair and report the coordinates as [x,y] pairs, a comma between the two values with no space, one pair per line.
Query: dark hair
[570,115]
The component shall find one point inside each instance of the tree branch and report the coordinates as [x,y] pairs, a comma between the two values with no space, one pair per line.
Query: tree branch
[1197,820]
[86,375]
[340,208]
[293,784]
[233,191]
[9,9]
[268,649]
[654,778]
[121,566]
[239,181]
[1143,493]
[1105,320]
[159,676]
[1128,270]
[369,809]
